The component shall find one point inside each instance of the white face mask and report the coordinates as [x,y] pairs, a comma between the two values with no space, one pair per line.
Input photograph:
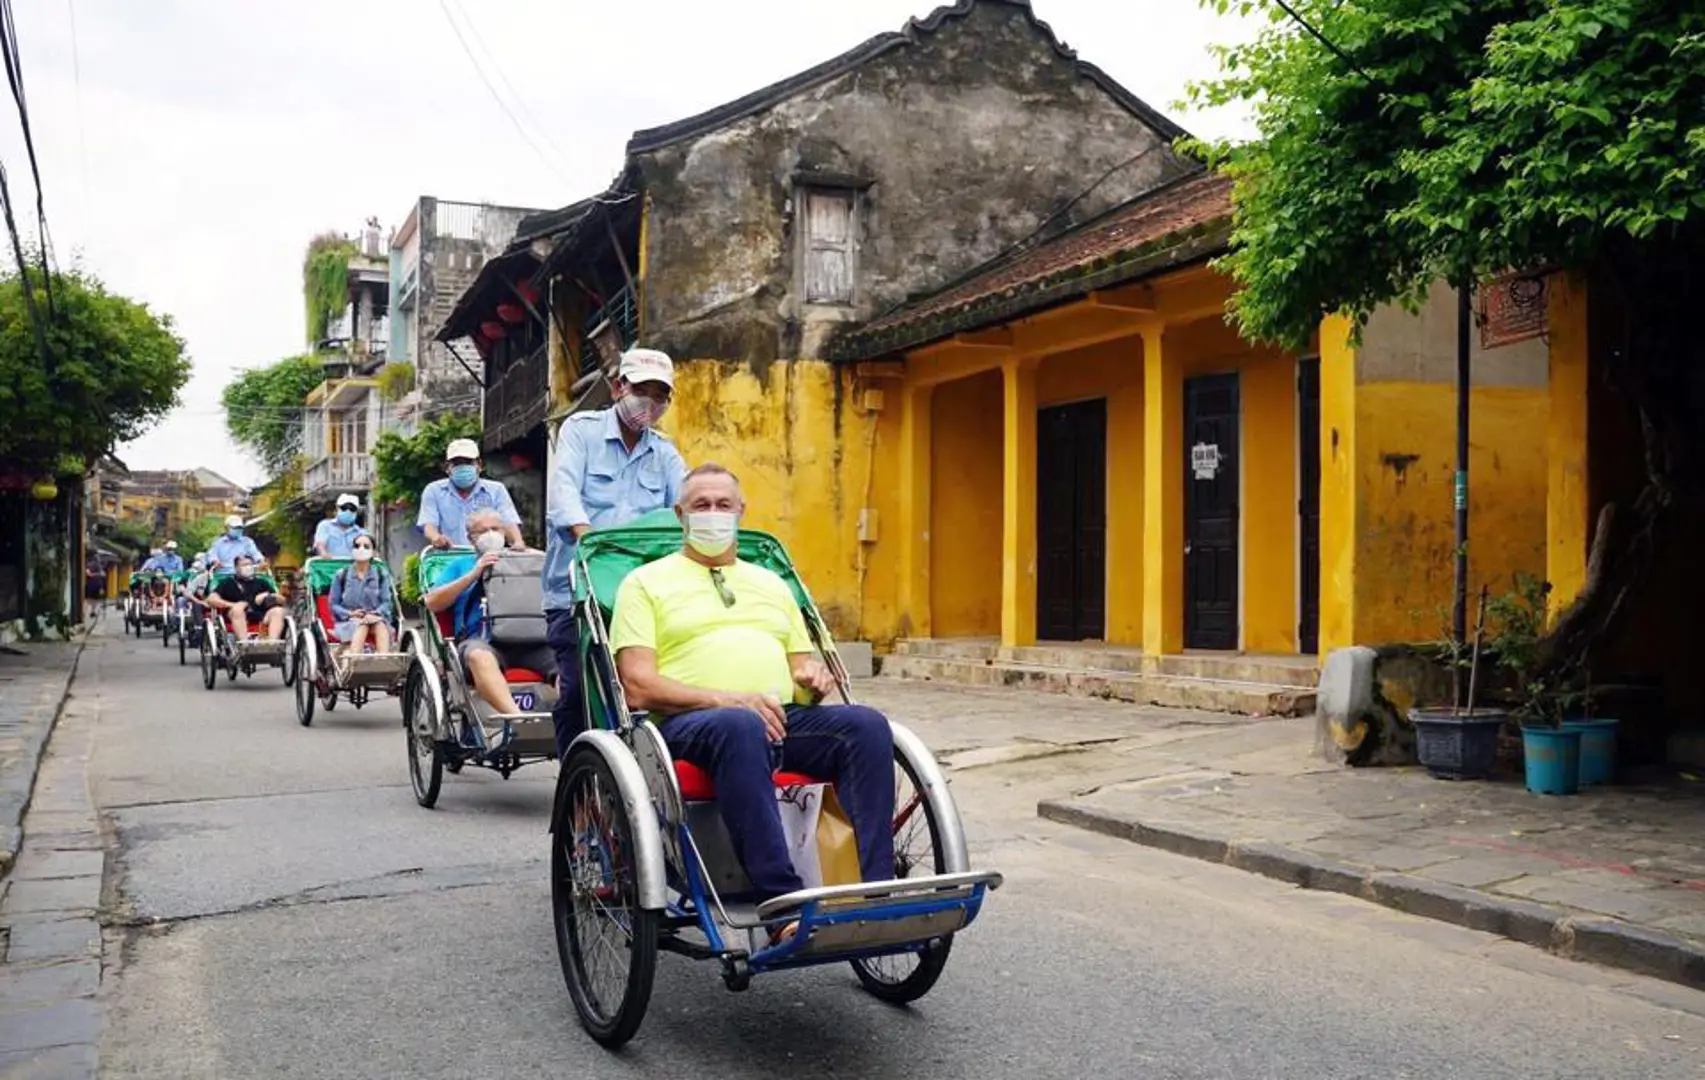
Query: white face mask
[489,541]
[363,554]
[639,413]
[712,532]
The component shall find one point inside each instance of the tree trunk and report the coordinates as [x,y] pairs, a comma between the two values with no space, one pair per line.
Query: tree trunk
[1659,368]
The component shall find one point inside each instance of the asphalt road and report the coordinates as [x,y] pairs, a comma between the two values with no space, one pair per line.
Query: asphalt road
[283,909]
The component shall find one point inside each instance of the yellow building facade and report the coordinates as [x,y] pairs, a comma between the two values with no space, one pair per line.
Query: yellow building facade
[920,488]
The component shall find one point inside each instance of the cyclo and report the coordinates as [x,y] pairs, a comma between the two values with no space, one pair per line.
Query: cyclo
[149,603]
[641,860]
[220,649]
[180,618]
[326,673]
[446,720]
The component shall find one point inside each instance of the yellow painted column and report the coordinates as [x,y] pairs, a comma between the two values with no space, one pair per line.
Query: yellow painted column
[1125,515]
[1568,509]
[1339,478]
[1163,497]
[915,479]
[1018,502]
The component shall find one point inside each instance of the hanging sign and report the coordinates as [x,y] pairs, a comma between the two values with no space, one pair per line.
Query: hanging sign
[1512,309]
[1205,460]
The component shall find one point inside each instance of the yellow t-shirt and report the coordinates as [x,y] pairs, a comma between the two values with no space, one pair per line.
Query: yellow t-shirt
[672,606]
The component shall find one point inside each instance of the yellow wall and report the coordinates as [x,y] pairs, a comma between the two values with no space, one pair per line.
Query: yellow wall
[1568,507]
[800,441]
[965,507]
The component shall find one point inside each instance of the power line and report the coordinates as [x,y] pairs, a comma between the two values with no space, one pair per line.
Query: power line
[520,101]
[1318,36]
[15,78]
[495,96]
[77,83]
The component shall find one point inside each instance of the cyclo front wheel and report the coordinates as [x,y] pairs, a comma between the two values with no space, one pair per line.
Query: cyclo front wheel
[904,977]
[606,942]
[420,722]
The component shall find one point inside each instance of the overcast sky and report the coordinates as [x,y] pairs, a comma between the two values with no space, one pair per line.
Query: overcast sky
[190,148]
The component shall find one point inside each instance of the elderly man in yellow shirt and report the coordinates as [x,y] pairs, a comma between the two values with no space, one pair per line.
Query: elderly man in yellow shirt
[717,648]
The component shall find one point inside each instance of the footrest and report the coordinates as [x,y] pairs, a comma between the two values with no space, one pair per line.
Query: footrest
[846,921]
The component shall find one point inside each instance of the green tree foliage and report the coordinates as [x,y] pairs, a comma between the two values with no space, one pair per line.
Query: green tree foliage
[114,370]
[263,409]
[325,282]
[1455,138]
[404,464]
[197,535]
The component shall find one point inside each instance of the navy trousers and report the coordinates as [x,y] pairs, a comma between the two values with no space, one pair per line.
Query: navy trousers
[849,745]
[564,638]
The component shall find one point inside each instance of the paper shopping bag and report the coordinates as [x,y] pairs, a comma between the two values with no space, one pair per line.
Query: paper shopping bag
[837,847]
[801,806]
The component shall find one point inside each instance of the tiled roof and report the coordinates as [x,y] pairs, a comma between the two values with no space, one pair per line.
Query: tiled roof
[756,102]
[1179,223]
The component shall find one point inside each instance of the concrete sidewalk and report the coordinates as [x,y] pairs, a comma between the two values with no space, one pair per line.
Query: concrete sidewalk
[1614,875]
[33,681]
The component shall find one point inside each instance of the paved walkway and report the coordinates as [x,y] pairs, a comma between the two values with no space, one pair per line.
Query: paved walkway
[1614,875]
[50,938]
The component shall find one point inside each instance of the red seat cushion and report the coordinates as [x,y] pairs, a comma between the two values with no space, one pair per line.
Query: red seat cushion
[697,785]
[446,623]
[323,608]
[522,675]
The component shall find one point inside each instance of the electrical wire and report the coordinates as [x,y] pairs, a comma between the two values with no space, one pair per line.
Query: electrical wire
[15,78]
[495,96]
[77,84]
[497,65]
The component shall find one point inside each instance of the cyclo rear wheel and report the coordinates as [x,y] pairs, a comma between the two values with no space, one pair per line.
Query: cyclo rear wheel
[420,723]
[606,942]
[906,977]
[209,668]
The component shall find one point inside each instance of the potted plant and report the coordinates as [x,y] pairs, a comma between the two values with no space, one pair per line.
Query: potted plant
[1548,693]
[1459,741]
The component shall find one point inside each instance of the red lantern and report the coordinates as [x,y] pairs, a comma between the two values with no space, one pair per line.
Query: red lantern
[496,331]
[520,462]
[511,313]
[527,291]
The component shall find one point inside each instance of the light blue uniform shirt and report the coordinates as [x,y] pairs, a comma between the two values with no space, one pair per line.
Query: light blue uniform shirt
[225,550]
[444,508]
[339,541]
[597,481]
[171,562]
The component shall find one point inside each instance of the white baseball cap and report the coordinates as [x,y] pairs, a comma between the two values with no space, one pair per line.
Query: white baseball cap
[171,545]
[346,499]
[647,365]
[462,448]
[235,521]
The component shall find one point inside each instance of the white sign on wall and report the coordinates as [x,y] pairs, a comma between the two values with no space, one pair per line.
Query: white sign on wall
[1205,460]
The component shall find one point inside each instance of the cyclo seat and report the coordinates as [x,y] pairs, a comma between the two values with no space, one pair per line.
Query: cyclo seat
[697,785]
[514,608]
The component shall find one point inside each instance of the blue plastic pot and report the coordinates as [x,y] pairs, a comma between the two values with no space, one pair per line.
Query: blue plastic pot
[1598,749]
[1552,757]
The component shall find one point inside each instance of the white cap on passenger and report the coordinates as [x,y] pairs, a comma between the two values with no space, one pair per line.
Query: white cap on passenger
[462,448]
[647,365]
[235,521]
[171,545]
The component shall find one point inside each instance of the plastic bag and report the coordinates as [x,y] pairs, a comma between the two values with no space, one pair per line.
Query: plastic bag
[820,838]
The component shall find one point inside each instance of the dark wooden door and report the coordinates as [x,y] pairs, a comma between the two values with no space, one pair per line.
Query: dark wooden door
[1071,526]
[1210,512]
[1308,504]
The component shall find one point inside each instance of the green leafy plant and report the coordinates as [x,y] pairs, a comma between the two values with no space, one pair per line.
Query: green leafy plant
[263,409]
[114,369]
[408,582]
[325,282]
[1548,694]
[404,464]
[395,381]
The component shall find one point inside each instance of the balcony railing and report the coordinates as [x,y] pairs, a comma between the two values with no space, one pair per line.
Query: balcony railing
[342,471]
[612,328]
[518,399]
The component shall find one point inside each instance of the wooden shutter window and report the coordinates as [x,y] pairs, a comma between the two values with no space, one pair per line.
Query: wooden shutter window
[829,247]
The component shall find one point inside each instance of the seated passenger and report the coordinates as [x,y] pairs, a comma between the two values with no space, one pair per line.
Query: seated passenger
[483,661]
[159,586]
[361,601]
[713,646]
[243,594]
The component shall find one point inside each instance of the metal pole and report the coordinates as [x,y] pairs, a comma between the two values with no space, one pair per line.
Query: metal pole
[1459,607]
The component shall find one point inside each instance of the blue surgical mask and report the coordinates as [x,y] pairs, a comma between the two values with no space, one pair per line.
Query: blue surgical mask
[346,517]
[234,533]
[464,476]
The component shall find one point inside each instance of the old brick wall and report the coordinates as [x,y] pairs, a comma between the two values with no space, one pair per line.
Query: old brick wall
[456,239]
[970,137]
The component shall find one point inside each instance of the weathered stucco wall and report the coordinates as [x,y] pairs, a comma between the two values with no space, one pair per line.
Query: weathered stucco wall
[965,511]
[1388,452]
[969,137]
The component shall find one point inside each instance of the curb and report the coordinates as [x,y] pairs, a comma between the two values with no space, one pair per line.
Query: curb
[11,826]
[1564,932]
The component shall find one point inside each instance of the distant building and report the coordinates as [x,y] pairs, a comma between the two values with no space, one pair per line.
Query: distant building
[165,500]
